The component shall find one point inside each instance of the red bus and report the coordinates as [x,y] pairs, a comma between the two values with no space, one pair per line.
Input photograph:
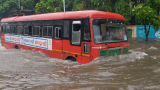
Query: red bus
[77,35]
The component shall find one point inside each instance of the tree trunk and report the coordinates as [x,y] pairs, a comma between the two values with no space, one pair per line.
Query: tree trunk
[146,31]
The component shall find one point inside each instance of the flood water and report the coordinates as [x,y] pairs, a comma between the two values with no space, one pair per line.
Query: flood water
[137,70]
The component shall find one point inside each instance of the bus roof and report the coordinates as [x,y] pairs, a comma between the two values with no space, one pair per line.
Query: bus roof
[66,15]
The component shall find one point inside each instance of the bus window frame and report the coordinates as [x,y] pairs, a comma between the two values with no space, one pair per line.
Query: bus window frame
[3,30]
[39,31]
[54,32]
[24,31]
[47,31]
[17,30]
[71,29]
[84,30]
[107,23]
[6,29]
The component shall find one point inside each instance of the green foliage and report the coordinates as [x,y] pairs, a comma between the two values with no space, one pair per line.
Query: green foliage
[68,5]
[7,6]
[148,13]
[46,6]
[156,25]
[29,4]
[144,14]
[104,5]
[155,4]
[124,8]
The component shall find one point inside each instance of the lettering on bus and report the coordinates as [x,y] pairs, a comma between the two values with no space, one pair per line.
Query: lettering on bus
[10,38]
[28,41]
[41,43]
[7,38]
[44,43]
[15,39]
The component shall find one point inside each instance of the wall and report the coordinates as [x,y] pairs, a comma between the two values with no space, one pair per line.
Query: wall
[152,33]
[133,27]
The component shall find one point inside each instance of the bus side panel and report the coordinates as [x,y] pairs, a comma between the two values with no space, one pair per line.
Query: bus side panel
[94,53]
[57,48]
[78,58]
[86,57]
[3,39]
[76,50]
[73,51]
[66,49]
[9,45]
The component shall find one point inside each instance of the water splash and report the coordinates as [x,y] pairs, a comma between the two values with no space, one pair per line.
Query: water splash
[152,48]
[2,48]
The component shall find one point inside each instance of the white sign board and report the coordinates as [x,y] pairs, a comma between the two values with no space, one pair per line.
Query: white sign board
[157,34]
[43,43]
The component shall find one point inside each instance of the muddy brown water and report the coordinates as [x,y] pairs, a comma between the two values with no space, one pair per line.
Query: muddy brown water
[137,70]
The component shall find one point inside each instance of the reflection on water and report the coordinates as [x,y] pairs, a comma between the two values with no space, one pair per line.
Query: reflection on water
[136,70]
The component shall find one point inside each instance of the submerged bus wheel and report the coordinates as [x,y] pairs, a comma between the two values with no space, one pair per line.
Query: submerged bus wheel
[16,47]
[71,58]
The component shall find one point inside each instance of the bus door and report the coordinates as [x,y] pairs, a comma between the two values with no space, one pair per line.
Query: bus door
[75,48]
[80,40]
[86,42]
[57,41]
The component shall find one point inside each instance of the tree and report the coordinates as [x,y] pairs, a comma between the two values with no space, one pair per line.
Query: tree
[29,4]
[6,6]
[47,6]
[123,7]
[148,14]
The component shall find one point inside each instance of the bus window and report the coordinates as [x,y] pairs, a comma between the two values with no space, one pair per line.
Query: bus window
[3,29]
[57,32]
[47,31]
[36,31]
[13,30]
[26,30]
[30,30]
[19,30]
[66,29]
[108,31]
[86,33]
[76,32]
[7,29]
[50,31]
[44,32]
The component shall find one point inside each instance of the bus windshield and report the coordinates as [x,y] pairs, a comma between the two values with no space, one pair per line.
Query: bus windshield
[106,31]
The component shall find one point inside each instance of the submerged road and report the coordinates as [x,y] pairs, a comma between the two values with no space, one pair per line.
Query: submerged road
[28,70]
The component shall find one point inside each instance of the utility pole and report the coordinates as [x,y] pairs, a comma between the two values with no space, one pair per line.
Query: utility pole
[64,5]
[20,7]
[19,1]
